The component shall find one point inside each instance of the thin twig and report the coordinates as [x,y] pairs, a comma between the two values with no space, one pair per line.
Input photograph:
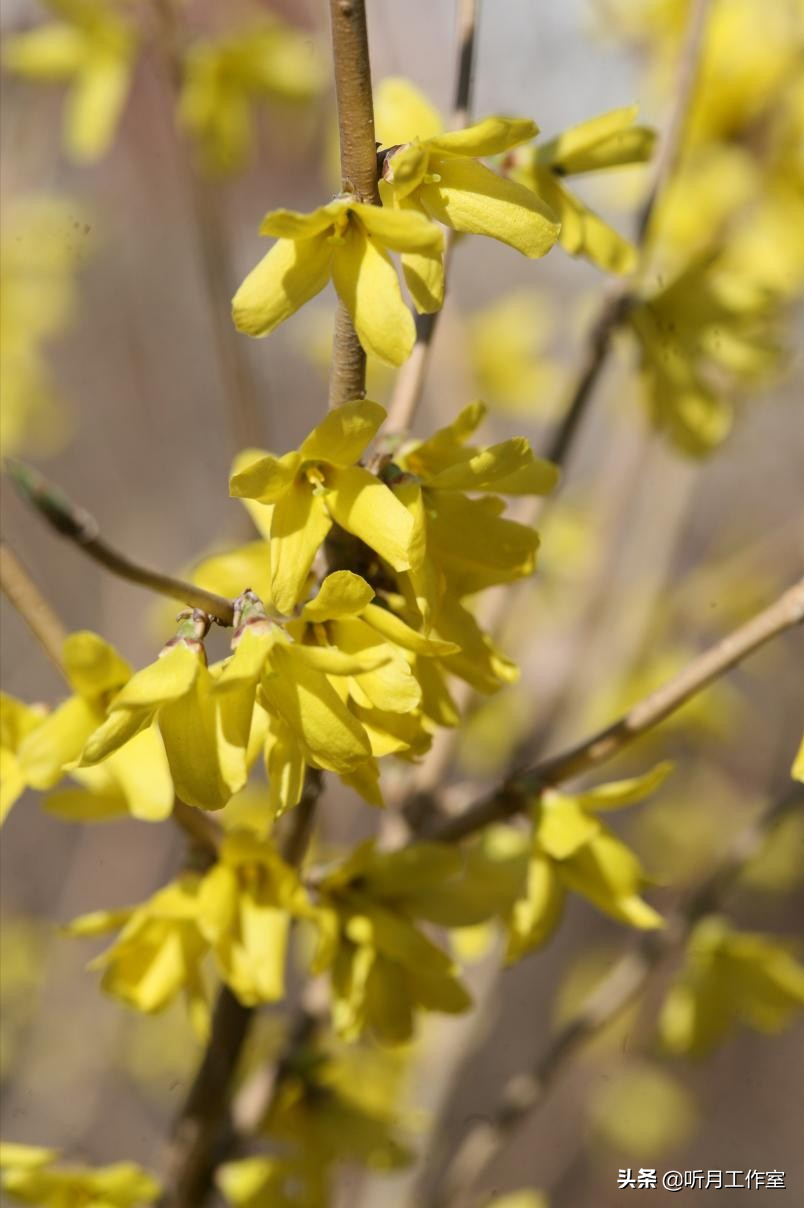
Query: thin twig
[75,523]
[786,613]
[358,172]
[21,591]
[410,381]
[200,1140]
[201,829]
[621,985]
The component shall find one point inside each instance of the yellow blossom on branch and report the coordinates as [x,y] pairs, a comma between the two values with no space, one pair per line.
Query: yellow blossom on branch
[348,242]
[28,1176]
[438,174]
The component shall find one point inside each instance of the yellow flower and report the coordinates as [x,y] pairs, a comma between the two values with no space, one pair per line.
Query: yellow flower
[96,672]
[92,48]
[207,766]
[244,908]
[505,346]
[318,486]
[607,141]
[223,78]
[572,850]
[272,1183]
[469,546]
[29,1177]
[708,330]
[348,242]
[158,953]
[17,720]
[437,174]
[730,977]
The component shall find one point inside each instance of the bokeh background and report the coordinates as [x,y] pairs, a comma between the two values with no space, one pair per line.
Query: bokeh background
[646,558]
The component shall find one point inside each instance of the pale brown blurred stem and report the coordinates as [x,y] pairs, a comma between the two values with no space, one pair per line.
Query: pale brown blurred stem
[352,68]
[70,520]
[240,392]
[621,985]
[410,380]
[20,590]
[200,1139]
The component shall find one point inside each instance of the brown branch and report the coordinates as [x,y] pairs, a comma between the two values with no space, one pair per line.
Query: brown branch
[512,797]
[622,984]
[200,1139]
[410,381]
[73,522]
[20,590]
[358,171]
[200,828]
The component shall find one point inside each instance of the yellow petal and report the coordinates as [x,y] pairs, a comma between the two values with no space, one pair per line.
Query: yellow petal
[562,827]
[92,666]
[584,233]
[141,774]
[337,660]
[344,433]
[168,679]
[57,741]
[424,277]
[368,285]
[310,707]
[535,916]
[393,629]
[284,766]
[482,471]
[388,685]
[492,136]
[402,113]
[604,141]
[266,479]
[189,727]
[469,197]
[342,594]
[290,224]
[402,230]
[364,506]
[299,527]
[291,274]
[624,792]
[94,106]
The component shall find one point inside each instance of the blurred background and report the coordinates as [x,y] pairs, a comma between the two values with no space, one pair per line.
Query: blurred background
[135,398]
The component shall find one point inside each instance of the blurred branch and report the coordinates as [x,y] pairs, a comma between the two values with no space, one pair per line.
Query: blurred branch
[621,985]
[786,613]
[199,827]
[20,590]
[410,380]
[199,1139]
[615,306]
[73,522]
[358,172]
[239,387]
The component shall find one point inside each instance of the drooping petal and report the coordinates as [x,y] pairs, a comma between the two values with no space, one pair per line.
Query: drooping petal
[189,727]
[45,751]
[290,224]
[92,665]
[284,766]
[403,230]
[94,106]
[368,285]
[364,506]
[390,684]
[535,916]
[300,525]
[491,136]
[393,629]
[141,773]
[620,793]
[344,433]
[584,233]
[470,197]
[292,273]
[424,277]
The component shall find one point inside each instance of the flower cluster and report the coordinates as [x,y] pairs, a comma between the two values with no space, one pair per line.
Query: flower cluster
[28,1176]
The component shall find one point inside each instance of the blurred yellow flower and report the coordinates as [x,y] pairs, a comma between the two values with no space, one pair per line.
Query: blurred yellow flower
[348,242]
[610,140]
[505,345]
[29,1177]
[92,47]
[730,977]
[223,78]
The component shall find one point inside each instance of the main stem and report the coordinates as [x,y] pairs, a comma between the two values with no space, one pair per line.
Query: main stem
[358,172]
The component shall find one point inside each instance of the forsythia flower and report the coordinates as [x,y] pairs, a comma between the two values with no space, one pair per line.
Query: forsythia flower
[704,329]
[321,485]
[572,850]
[222,79]
[607,141]
[347,241]
[29,1177]
[93,48]
[505,347]
[383,968]
[437,174]
[17,720]
[158,953]
[469,546]
[730,977]
[202,731]
[271,1183]
[244,907]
